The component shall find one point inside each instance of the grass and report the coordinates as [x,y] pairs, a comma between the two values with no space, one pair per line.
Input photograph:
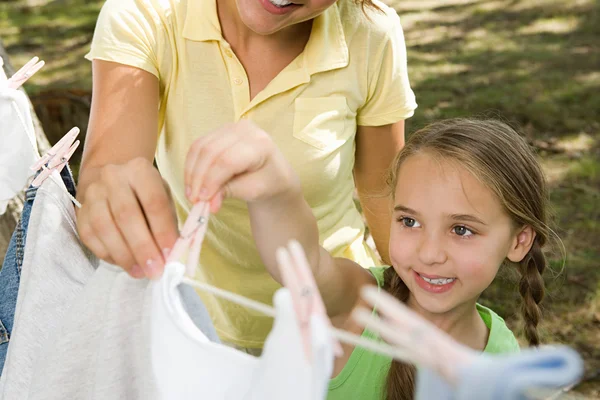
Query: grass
[58,32]
[535,63]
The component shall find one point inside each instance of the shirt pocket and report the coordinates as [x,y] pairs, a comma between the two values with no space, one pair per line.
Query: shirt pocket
[322,122]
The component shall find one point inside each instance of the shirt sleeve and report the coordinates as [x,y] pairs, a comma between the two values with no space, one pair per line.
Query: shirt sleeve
[127,33]
[390,97]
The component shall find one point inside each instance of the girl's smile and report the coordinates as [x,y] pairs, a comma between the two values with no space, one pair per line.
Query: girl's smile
[433,284]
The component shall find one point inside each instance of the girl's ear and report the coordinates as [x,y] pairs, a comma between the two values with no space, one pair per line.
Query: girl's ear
[522,243]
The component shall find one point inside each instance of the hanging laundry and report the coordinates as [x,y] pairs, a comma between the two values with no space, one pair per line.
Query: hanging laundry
[85,329]
[17,144]
[56,273]
[531,374]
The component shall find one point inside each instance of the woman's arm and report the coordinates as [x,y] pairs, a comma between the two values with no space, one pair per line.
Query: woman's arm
[127,216]
[376,147]
[243,161]
[123,119]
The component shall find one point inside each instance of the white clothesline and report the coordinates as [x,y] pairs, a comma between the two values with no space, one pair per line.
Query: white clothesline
[341,335]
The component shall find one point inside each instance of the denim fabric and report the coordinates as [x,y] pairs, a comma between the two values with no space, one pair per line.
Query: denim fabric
[13,261]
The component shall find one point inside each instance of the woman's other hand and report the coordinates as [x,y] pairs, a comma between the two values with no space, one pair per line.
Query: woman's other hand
[128,218]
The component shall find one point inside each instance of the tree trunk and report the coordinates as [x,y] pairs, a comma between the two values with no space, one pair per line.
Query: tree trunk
[9,220]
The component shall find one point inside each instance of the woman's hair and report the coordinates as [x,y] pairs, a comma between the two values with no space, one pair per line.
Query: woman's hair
[368,4]
[503,161]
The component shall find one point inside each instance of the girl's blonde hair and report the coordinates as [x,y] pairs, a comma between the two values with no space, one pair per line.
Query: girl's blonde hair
[502,160]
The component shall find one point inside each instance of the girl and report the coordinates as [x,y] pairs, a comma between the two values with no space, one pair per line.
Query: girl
[468,197]
[167,73]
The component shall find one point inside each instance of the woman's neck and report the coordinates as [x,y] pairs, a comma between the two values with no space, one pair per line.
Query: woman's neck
[463,323]
[239,36]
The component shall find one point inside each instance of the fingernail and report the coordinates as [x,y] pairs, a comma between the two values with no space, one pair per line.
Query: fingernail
[188,191]
[153,269]
[137,272]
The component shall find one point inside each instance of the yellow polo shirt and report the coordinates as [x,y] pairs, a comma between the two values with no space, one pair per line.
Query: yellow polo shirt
[351,72]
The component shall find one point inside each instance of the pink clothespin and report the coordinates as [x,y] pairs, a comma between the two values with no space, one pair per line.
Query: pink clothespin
[420,340]
[56,158]
[298,278]
[26,72]
[191,237]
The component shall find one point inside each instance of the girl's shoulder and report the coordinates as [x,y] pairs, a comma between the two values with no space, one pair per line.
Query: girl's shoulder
[501,339]
[378,273]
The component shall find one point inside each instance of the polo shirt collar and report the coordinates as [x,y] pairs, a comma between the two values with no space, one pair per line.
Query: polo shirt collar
[326,48]
[202,21]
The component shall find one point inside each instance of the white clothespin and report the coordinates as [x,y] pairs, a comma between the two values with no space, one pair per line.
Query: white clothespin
[26,72]
[421,341]
[56,159]
[191,238]
[298,278]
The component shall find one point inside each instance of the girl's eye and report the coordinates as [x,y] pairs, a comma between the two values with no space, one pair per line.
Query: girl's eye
[409,222]
[461,230]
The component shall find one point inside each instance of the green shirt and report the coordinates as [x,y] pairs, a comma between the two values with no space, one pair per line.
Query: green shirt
[365,373]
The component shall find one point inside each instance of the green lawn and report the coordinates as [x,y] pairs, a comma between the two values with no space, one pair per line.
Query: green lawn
[58,32]
[535,63]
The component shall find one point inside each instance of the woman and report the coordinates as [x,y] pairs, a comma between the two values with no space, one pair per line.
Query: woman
[326,80]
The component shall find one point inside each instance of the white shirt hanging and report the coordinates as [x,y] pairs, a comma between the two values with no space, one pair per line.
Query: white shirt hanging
[186,364]
[17,143]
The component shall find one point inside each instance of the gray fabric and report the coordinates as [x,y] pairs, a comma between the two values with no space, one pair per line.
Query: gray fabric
[101,350]
[197,311]
[81,326]
[55,268]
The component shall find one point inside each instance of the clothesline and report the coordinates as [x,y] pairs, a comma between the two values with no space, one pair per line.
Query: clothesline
[267,310]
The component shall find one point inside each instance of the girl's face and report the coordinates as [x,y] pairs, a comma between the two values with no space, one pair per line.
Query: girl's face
[266,16]
[449,234]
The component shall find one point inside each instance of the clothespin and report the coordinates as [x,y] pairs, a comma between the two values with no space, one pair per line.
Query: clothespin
[26,72]
[56,158]
[191,237]
[421,341]
[298,278]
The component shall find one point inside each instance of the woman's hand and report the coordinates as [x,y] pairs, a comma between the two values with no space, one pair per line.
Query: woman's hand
[241,161]
[128,217]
